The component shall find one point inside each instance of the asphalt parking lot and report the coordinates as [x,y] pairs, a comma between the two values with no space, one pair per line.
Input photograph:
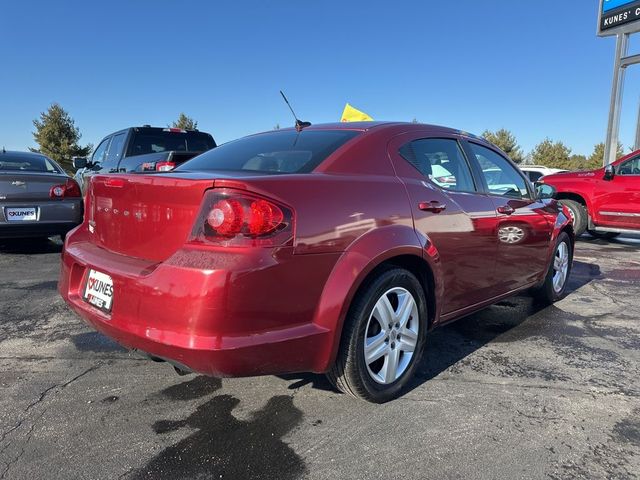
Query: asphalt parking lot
[511,392]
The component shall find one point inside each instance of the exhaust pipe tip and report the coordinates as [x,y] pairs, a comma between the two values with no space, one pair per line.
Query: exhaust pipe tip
[178,367]
[181,371]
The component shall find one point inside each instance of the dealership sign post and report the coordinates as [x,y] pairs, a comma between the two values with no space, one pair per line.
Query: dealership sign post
[620,18]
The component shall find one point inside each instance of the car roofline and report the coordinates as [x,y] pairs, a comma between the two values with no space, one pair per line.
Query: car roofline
[367,126]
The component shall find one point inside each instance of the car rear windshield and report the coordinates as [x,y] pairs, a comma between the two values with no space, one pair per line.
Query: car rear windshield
[164,141]
[275,152]
[27,163]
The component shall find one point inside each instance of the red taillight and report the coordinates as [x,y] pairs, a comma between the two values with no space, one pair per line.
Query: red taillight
[165,166]
[264,217]
[231,217]
[67,190]
[226,218]
[114,182]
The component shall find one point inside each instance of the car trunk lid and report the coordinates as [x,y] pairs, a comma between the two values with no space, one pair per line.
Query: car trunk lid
[28,187]
[143,216]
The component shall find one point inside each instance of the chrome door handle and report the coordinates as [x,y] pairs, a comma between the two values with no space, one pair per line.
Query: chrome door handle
[506,210]
[435,207]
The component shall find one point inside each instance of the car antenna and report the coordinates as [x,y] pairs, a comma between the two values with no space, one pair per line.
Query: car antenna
[299,124]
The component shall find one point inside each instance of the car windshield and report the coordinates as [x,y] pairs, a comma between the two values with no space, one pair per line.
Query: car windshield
[27,163]
[275,152]
[164,141]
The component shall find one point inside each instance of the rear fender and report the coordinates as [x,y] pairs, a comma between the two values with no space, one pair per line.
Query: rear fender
[351,270]
[562,224]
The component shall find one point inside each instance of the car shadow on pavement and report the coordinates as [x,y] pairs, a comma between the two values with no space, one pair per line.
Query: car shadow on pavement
[95,342]
[221,445]
[31,246]
[449,344]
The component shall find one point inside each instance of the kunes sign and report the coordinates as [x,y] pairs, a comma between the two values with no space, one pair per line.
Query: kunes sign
[619,16]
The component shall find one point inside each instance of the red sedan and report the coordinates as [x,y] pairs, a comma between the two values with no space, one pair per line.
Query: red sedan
[334,249]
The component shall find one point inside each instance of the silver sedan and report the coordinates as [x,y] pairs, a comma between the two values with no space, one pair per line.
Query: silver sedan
[37,198]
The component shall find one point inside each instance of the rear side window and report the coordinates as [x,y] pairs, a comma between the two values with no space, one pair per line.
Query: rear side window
[26,163]
[274,152]
[115,150]
[146,142]
[502,178]
[440,160]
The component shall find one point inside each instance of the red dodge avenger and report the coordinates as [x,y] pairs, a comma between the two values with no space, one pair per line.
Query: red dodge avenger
[332,249]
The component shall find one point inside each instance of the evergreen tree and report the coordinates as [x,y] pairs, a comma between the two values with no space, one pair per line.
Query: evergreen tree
[506,141]
[185,123]
[578,162]
[551,154]
[57,136]
[596,159]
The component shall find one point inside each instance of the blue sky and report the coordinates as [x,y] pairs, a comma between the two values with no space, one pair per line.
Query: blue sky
[536,68]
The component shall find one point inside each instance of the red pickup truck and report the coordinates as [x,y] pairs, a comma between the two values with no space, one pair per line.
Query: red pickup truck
[605,202]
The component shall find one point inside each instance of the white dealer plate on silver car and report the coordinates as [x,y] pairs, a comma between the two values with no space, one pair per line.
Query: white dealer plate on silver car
[28,214]
[98,291]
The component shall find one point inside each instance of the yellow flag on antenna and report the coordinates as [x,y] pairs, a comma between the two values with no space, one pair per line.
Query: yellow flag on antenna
[351,114]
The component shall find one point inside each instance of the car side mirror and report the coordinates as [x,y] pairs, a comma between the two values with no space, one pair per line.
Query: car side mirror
[609,172]
[79,162]
[545,191]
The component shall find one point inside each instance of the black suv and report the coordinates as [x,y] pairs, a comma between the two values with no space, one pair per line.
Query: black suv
[142,149]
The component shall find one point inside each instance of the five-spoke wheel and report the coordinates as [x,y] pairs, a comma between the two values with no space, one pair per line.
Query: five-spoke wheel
[555,282]
[391,335]
[383,337]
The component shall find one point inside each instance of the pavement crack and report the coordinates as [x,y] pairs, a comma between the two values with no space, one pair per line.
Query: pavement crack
[62,386]
[4,435]
[23,446]
[533,387]
[125,474]
[615,300]
[42,396]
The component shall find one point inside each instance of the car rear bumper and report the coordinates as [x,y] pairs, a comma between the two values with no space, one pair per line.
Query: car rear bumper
[237,321]
[55,217]
[32,230]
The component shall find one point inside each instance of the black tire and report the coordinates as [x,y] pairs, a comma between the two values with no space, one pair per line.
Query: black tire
[579,214]
[547,293]
[350,373]
[603,235]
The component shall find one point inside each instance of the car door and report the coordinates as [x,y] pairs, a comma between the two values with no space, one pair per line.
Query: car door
[95,164]
[450,213]
[616,202]
[114,153]
[524,229]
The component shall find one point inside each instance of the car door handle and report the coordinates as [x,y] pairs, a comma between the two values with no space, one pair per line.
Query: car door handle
[435,207]
[506,209]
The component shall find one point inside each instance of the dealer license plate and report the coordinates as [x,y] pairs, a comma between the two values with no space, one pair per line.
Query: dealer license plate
[28,214]
[98,290]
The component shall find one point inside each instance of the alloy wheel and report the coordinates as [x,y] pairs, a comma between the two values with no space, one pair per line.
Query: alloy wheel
[560,267]
[391,336]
